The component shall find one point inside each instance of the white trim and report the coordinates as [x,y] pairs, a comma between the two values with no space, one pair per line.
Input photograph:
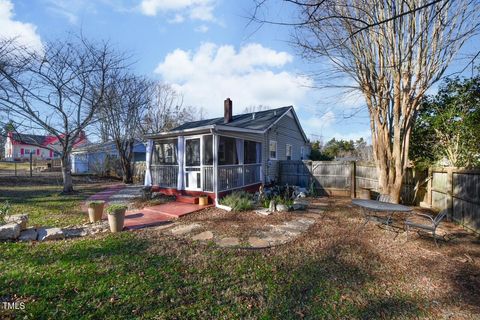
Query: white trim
[237,129]
[276,150]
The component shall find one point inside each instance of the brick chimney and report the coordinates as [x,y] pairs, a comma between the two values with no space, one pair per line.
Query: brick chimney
[228,110]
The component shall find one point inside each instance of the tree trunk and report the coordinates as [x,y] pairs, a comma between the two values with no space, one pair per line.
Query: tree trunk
[66,175]
[126,154]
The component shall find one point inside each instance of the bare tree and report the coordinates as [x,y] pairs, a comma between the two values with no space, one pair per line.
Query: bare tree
[256,108]
[126,101]
[394,50]
[58,90]
[166,110]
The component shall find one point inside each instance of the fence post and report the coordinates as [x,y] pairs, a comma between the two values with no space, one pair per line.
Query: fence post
[429,186]
[353,187]
[450,192]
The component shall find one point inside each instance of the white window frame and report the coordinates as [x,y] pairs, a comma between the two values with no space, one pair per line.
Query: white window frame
[270,151]
[287,146]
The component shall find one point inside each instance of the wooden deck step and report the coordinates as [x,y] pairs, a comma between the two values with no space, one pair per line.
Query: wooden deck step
[187,199]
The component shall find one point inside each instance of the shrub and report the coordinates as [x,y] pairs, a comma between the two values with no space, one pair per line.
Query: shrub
[116,208]
[238,201]
[93,204]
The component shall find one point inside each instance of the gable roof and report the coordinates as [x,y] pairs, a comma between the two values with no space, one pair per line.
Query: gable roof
[41,140]
[252,122]
[261,121]
[29,138]
[108,146]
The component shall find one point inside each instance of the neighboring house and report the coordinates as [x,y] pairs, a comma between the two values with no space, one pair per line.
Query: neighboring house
[19,146]
[219,155]
[97,158]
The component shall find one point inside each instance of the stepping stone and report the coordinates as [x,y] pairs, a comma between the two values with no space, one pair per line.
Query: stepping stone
[207,235]
[273,239]
[263,212]
[184,229]
[28,235]
[228,242]
[258,243]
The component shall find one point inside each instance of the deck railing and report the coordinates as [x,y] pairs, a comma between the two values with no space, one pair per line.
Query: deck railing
[252,174]
[165,176]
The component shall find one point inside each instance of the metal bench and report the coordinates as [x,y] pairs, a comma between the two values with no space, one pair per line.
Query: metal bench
[430,225]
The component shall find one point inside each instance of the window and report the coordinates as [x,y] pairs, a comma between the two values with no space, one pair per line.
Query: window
[273,150]
[208,150]
[288,151]
[165,152]
[302,153]
[252,152]
[227,151]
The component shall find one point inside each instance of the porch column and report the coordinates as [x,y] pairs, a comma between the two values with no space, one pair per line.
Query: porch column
[239,147]
[148,160]
[180,155]
[215,166]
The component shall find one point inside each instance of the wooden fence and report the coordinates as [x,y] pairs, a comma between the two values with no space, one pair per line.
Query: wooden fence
[457,190]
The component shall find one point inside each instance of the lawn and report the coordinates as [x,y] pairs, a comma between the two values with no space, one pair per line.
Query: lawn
[41,199]
[333,271]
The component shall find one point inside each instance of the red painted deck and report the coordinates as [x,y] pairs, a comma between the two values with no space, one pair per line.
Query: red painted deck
[158,215]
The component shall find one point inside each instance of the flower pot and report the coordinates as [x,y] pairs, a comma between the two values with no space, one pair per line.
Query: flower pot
[95,212]
[203,200]
[116,220]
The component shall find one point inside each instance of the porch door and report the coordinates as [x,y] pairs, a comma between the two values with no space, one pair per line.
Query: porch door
[193,170]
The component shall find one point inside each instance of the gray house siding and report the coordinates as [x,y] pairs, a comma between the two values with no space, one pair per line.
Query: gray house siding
[285,131]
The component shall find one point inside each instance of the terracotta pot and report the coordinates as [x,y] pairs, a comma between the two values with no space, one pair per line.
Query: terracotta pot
[116,220]
[203,200]
[95,212]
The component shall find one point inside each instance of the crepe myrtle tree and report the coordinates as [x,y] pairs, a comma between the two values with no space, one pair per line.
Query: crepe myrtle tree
[57,90]
[126,101]
[392,51]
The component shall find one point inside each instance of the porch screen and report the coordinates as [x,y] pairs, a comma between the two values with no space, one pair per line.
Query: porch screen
[165,152]
[208,150]
[227,151]
[252,153]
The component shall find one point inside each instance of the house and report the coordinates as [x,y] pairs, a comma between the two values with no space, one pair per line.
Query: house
[19,146]
[97,158]
[216,156]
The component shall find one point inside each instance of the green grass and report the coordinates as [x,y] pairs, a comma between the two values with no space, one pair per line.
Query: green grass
[45,205]
[126,276]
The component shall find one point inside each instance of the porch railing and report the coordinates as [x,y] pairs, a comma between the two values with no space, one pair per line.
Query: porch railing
[236,176]
[252,173]
[164,176]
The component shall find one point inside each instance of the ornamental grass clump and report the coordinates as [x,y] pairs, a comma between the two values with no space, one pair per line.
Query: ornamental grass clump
[238,201]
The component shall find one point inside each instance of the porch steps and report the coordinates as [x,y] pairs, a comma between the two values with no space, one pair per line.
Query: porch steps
[187,199]
[172,210]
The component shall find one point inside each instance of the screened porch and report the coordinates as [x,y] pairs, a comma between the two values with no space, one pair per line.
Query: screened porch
[208,163]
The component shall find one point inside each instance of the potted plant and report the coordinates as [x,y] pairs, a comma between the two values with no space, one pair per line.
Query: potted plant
[116,216]
[203,200]
[95,210]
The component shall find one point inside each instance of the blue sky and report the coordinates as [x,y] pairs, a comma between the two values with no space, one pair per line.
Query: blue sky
[205,48]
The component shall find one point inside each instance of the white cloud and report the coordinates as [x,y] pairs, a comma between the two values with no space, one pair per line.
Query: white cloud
[316,122]
[24,33]
[250,76]
[195,9]
[202,29]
